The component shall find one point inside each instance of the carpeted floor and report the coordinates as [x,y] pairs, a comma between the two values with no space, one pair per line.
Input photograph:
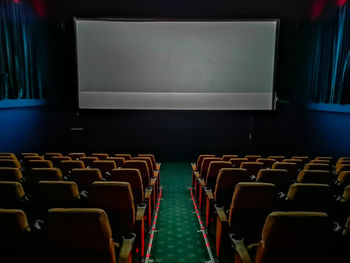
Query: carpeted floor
[178,239]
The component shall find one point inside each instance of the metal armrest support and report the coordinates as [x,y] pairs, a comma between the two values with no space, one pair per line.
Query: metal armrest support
[241,250]
[126,248]
[209,193]
[140,212]
[158,165]
[153,181]
[196,173]
[155,174]
[202,183]
[194,166]
[148,192]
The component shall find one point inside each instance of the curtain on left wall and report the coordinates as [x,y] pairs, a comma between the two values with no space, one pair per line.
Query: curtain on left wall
[20,71]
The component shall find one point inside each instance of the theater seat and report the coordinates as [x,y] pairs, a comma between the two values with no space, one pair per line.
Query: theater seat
[266,161]
[106,167]
[343,167]
[76,156]
[278,158]
[236,162]
[66,166]
[133,177]
[197,166]
[10,174]
[48,156]
[291,237]
[46,174]
[298,162]
[343,179]
[251,203]
[304,158]
[88,161]
[252,158]
[57,159]
[309,197]
[39,164]
[292,169]
[117,200]
[10,163]
[317,166]
[279,177]
[252,167]
[15,242]
[119,161]
[314,177]
[156,164]
[226,182]
[126,156]
[82,235]
[100,156]
[227,157]
[84,178]
[11,195]
[143,168]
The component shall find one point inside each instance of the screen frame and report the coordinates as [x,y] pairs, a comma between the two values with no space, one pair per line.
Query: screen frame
[127,19]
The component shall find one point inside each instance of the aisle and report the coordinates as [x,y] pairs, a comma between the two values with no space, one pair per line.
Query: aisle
[177,239]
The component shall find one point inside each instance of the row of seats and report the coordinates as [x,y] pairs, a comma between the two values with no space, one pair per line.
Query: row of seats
[242,206]
[126,193]
[69,235]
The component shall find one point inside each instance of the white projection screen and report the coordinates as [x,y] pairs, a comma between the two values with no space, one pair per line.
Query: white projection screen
[176,65]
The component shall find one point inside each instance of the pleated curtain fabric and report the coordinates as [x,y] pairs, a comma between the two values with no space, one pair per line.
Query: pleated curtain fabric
[20,74]
[329,75]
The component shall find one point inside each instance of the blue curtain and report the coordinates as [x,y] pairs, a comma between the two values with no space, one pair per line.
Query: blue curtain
[329,75]
[20,73]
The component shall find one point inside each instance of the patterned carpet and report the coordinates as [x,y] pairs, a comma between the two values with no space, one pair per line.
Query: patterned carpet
[178,239]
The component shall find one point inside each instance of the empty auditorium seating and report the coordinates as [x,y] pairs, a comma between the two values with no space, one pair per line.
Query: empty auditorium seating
[76,156]
[252,158]
[292,169]
[227,157]
[304,158]
[266,161]
[45,174]
[39,164]
[317,166]
[236,162]
[291,237]
[342,167]
[298,162]
[119,161]
[252,167]
[66,166]
[57,159]
[314,176]
[100,156]
[10,163]
[84,177]
[278,158]
[10,174]
[126,156]
[106,167]
[156,164]
[197,166]
[83,235]
[48,156]
[251,203]
[143,168]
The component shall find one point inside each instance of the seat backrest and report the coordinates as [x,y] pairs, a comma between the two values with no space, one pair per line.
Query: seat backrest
[29,154]
[76,156]
[82,233]
[10,174]
[236,162]
[66,166]
[320,161]
[10,194]
[227,157]
[309,197]
[105,166]
[201,158]
[298,162]
[119,161]
[52,194]
[346,194]
[39,164]
[133,177]
[304,158]
[328,158]
[57,159]
[88,161]
[117,200]
[47,174]
[27,158]
[10,163]
[154,163]
[142,167]
[213,172]
[277,158]
[226,182]
[317,166]
[84,177]
[150,166]
[14,228]
[252,167]
[100,156]
[295,237]
[251,203]
[279,177]
[252,158]
[7,154]
[205,165]
[343,167]
[126,156]
[48,156]
[266,161]
[314,177]
[292,168]
[344,178]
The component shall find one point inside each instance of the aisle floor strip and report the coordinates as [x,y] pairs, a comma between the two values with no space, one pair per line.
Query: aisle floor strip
[202,229]
[153,228]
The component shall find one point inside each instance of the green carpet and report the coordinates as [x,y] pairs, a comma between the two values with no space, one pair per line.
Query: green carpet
[178,239]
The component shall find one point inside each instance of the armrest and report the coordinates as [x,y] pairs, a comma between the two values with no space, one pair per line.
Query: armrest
[84,194]
[153,181]
[155,173]
[241,250]
[209,193]
[140,212]
[126,248]
[148,192]
[252,178]
[158,165]
[221,214]
[196,173]
[202,183]
[194,166]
